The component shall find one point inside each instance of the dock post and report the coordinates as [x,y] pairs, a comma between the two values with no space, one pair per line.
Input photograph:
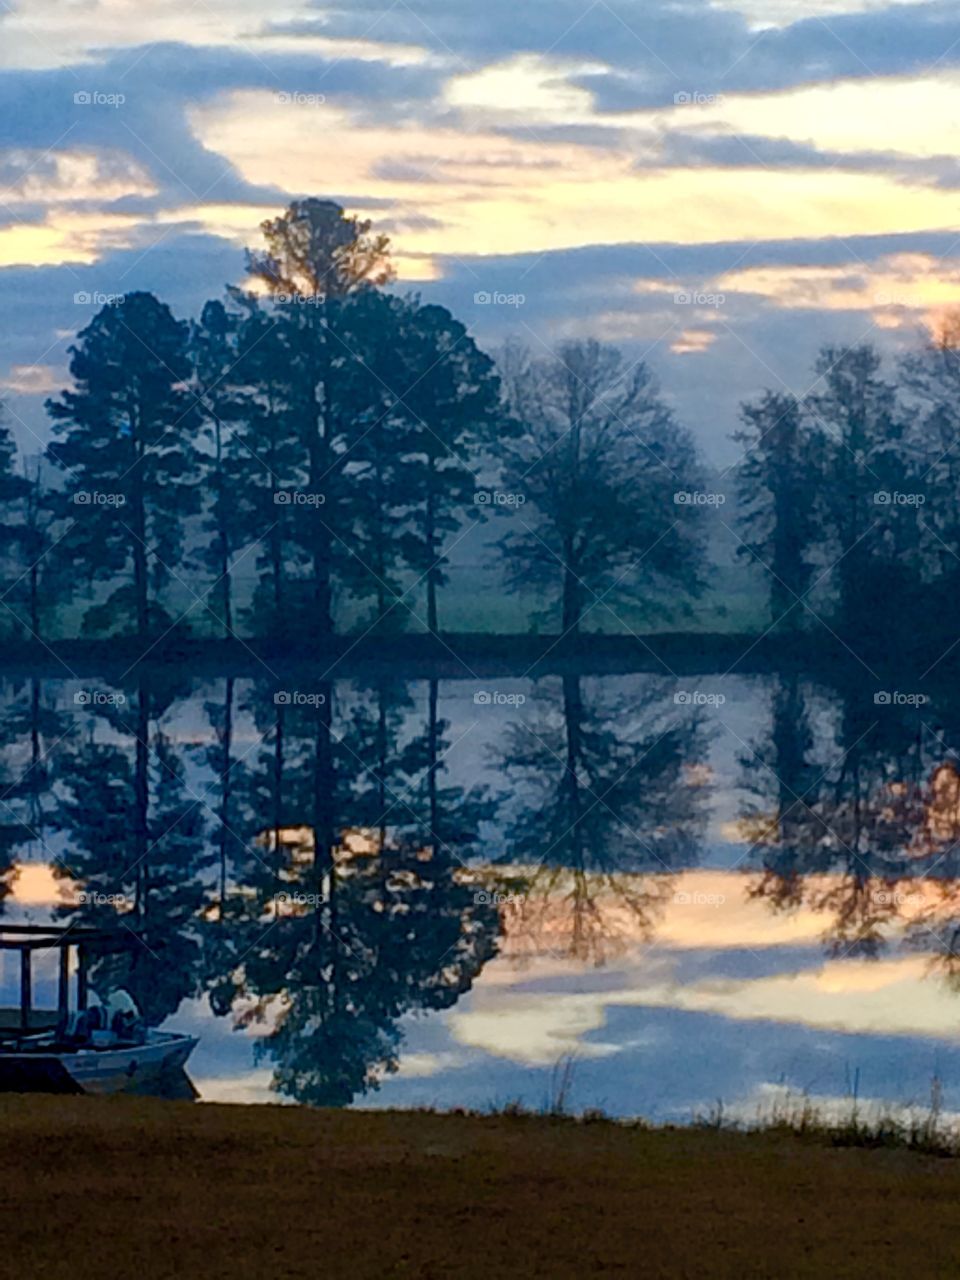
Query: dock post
[26,987]
[81,977]
[63,986]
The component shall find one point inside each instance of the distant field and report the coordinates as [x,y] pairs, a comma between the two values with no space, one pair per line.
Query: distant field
[475,602]
[137,1188]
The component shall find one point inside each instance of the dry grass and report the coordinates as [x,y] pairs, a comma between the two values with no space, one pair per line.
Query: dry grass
[138,1189]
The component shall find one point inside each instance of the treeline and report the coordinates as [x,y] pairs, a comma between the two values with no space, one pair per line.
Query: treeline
[337,443]
[339,440]
[851,496]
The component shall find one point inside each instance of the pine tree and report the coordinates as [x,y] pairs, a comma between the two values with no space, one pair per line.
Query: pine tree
[779,480]
[451,397]
[264,462]
[126,436]
[860,417]
[214,351]
[315,262]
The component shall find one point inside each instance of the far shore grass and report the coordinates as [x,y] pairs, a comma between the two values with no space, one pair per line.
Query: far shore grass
[138,1188]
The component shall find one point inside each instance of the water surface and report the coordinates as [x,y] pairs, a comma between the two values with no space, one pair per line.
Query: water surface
[440,893]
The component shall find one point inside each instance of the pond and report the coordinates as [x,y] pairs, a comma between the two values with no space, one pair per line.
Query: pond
[649,896]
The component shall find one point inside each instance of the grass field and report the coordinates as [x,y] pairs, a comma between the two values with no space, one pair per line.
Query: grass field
[140,1189]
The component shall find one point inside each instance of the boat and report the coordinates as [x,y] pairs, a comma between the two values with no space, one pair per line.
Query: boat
[94,1048]
[40,1064]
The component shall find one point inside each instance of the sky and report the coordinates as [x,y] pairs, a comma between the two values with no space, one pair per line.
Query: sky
[718,188]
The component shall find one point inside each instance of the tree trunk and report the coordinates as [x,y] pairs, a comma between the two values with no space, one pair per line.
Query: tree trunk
[572,607]
[430,539]
[433,764]
[35,600]
[141,799]
[223,536]
[140,537]
[324,817]
[37,773]
[277,797]
[321,464]
[225,788]
[382,768]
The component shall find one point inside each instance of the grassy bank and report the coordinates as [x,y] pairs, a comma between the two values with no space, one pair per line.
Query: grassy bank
[137,1188]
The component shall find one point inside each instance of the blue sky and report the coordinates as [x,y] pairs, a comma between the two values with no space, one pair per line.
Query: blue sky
[717,187]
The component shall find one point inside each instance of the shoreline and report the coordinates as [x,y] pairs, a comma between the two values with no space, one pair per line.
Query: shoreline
[473,656]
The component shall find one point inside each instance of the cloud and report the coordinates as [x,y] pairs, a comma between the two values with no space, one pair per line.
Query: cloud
[139,105]
[642,53]
[532,150]
[730,150]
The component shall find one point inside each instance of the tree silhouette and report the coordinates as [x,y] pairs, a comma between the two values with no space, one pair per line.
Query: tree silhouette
[599,461]
[126,436]
[214,351]
[779,480]
[604,813]
[861,420]
[316,261]
[137,845]
[452,397]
